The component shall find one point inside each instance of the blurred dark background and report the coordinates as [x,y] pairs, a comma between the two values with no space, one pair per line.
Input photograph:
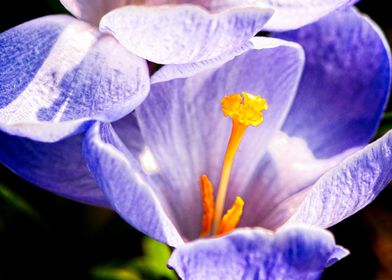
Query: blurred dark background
[43,236]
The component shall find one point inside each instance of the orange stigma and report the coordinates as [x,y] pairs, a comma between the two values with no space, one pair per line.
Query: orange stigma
[244,109]
[232,217]
[207,193]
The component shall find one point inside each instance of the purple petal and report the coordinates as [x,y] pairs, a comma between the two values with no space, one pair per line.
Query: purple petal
[281,180]
[296,252]
[128,130]
[92,10]
[290,15]
[60,73]
[130,191]
[175,71]
[331,116]
[348,187]
[287,16]
[181,34]
[345,84]
[338,253]
[57,167]
[183,125]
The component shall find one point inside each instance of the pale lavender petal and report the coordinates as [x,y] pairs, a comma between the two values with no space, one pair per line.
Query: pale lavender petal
[93,10]
[345,84]
[129,190]
[288,15]
[296,252]
[338,253]
[59,73]
[292,15]
[178,34]
[337,109]
[348,187]
[281,180]
[128,130]
[183,125]
[175,71]
[57,167]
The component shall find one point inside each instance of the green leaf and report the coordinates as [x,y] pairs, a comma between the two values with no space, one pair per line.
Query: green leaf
[18,203]
[56,6]
[112,273]
[387,116]
[152,265]
[386,124]
[155,251]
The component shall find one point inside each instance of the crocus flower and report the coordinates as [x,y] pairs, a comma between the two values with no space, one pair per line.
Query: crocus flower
[59,73]
[304,169]
[307,163]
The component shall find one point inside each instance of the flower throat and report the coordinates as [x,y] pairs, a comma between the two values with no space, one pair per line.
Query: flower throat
[244,109]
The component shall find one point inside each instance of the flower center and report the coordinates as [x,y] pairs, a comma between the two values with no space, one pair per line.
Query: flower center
[244,109]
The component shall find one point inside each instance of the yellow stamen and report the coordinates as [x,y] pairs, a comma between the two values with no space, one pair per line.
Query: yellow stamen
[237,132]
[244,111]
[232,217]
[207,193]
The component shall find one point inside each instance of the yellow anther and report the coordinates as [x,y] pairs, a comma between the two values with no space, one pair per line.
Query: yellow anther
[245,109]
[232,217]
[207,194]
